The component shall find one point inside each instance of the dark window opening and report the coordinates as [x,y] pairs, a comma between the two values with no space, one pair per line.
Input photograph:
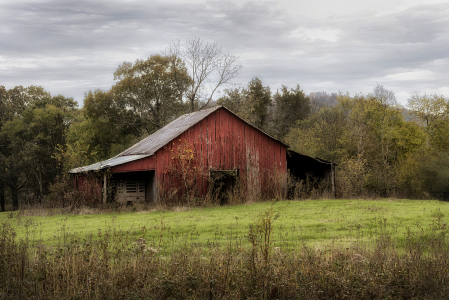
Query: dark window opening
[222,184]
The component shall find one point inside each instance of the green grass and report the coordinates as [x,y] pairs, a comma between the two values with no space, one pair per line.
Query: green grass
[316,222]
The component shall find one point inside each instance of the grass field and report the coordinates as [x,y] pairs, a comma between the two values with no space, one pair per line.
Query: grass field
[315,222]
[317,249]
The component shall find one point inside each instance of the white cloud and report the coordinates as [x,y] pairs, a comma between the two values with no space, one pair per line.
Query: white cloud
[417,75]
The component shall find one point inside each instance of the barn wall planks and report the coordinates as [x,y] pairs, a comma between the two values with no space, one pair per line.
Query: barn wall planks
[145,164]
[220,141]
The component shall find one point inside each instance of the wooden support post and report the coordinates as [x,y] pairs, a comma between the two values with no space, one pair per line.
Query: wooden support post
[333,179]
[104,188]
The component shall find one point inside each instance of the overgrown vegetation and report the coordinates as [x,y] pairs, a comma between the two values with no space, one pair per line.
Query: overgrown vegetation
[260,262]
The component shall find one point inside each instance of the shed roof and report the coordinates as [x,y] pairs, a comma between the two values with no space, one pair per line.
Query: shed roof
[115,161]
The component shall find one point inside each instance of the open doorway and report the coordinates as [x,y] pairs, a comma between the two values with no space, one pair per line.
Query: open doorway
[134,186]
[222,183]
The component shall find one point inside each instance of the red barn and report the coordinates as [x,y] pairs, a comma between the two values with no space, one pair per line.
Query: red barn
[211,149]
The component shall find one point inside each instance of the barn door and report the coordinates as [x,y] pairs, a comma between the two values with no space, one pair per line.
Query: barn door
[129,189]
[135,186]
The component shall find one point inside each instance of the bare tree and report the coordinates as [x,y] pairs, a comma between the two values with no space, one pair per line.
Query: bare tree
[322,99]
[384,96]
[208,66]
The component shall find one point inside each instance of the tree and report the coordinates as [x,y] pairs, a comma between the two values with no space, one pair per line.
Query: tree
[150,91]
[103,127]
[428,107]
[251,103]
[13,103]
[385,97]
[234,100]
[208,67]
[366,136]
[324,134]
[319,100]
[37,123]
[434,110]
[259,100]
[290,107]
[3,145]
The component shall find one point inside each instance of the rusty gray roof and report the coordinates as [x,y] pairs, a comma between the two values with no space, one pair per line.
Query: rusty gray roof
[166,134]
[157,140]
[115,161]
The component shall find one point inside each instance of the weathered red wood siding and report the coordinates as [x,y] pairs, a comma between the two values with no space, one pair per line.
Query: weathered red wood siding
[144,164]
[220,141]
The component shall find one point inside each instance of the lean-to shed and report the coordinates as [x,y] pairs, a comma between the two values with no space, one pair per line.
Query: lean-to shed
[191,153]
[303,167]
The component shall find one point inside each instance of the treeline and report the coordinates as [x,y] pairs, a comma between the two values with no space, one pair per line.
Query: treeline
[381,148]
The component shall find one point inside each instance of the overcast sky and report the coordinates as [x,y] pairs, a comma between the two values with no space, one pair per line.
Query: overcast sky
[71,47]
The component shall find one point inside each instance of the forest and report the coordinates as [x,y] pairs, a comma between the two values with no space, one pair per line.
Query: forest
[381,149]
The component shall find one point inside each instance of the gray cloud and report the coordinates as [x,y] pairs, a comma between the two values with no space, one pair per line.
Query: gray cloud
[70,47]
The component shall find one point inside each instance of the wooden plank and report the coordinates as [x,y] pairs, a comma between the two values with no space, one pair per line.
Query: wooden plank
[225,139]
[159,180]
[213,147]
[217,142]
[198,157]
[242,152]
[208,150]
[264,164]
[203,156]
[219,139]
[144,164]
[232,139]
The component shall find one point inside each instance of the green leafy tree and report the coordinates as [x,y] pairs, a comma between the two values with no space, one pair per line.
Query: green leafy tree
[234,100]
[37,124]
[101,129]
[3,145]
[258,98]
[150,91]
[324,134]
[252,103]
[290,107]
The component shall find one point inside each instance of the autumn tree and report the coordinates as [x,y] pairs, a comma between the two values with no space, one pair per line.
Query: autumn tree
[366,135]
[428,107]
[434,111]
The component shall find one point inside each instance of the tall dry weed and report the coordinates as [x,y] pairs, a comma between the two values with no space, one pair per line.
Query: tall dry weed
[110,265]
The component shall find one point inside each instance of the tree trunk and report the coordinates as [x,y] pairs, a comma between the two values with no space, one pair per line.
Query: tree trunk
[15,198]
[2,196]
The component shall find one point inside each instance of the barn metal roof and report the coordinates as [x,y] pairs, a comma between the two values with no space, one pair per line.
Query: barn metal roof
[157,140]
[115,161]
[163,136]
